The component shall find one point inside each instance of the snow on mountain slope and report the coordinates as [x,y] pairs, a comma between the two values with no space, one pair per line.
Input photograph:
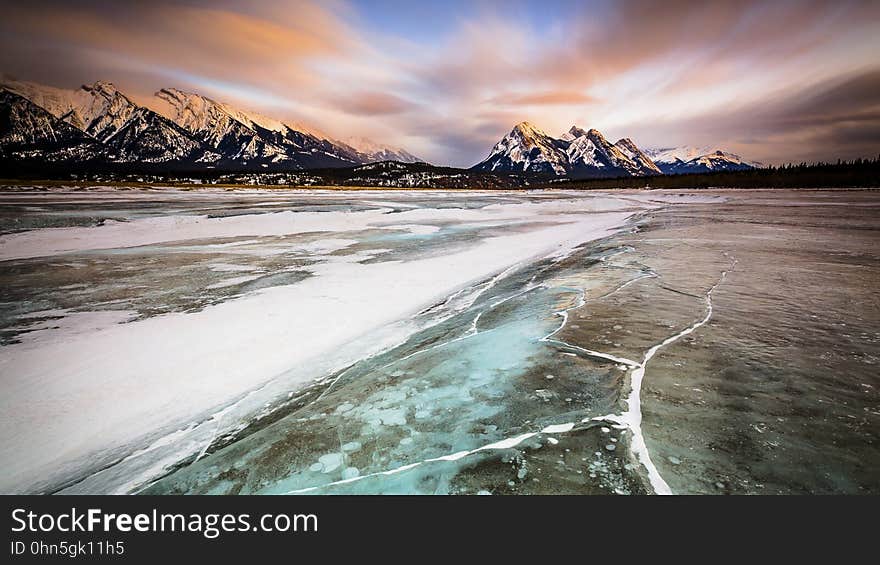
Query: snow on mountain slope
[150,138]
[573,133]
[188,127]
[589,149]
[248,136]
[673,154]
[587,153]
[585,150]
[578,152]
[220,124]
[61,103]
[103,111]
[527,149]
[29,131]
[637,156]
[687,159]
[127,131]
[374,152]
[722,161]
[133,133]
[221,127]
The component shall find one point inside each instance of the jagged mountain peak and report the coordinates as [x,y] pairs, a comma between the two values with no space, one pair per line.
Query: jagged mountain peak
[103,87]
[632,152]
[171,95]
[577,152]
[575,132]
[372,151]
[174,92]
[526,127]
[528,132]
[690,159]
[198,112]
[172,102]
[245,135]
[188,109]
[60,102]
[28,131]
[177,104]
[215,120]
[527,149]
[123,131]
[627,143]
[180,126]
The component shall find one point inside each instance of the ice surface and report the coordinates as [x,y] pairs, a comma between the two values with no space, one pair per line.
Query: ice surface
[122,387]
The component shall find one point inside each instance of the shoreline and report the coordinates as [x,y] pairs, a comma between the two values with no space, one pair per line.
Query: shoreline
[46,185]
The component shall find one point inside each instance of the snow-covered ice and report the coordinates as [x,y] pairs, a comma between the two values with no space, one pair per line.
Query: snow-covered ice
[75,401]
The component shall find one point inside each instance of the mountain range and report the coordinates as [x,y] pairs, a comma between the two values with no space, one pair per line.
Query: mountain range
[681,160]
[580,153]
[98,126]
[99,123]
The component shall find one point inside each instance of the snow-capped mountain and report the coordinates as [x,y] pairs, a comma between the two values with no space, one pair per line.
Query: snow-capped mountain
[637,156]
[371,151]
[185,128]
[67,105]
[214,125]
[128,132]
[589,151]
[246,136]
[577,153]
[28,131]
[686,159]
[527,149]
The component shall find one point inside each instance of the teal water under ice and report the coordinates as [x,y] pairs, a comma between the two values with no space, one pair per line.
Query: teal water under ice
[284,342]
[401,422]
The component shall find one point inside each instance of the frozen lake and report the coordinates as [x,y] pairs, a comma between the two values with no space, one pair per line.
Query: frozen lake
[144,324]
[367,342]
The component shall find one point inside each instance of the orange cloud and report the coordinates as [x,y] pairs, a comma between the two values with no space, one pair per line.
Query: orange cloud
[203,41]
[373,104]
[544,98]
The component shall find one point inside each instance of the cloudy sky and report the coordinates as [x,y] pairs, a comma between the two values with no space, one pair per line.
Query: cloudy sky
[774,81]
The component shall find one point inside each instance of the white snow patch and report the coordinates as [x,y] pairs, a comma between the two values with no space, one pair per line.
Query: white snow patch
[81,381]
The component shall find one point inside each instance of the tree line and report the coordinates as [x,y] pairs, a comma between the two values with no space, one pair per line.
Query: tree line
[855,173]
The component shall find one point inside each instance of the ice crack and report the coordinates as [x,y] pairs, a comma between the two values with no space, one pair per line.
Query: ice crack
[632,417]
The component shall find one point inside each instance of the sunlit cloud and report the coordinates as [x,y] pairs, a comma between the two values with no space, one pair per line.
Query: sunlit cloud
[544,98]
[373,104]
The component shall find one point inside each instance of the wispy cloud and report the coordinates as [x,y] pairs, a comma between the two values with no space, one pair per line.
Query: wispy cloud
[372,103]
[544,98]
